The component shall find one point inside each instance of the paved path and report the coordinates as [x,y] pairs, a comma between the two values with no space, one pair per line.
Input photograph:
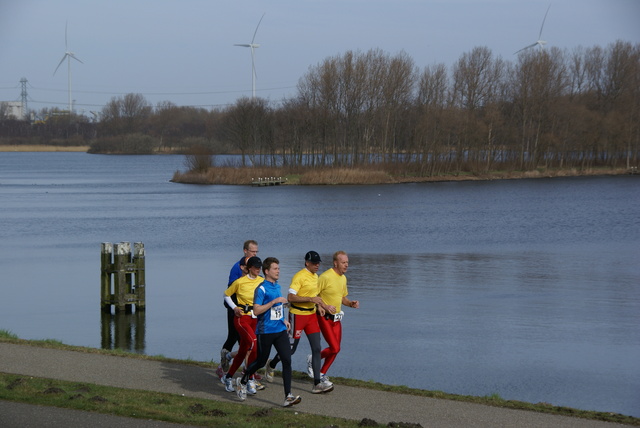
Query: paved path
[347,402]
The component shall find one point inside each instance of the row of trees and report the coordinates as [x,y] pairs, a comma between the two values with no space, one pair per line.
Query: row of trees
[547,108]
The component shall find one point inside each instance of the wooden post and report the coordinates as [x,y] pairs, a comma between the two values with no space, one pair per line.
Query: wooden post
[121,257]
[139,284]
[106,267]
[128,277]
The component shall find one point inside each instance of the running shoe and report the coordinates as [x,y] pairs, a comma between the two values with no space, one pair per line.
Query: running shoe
[325,379]
[251,387]
[228,384]
[224,359]
[310,365]
[322,387]
[259,385]
[220,373]
[268,371]
[241,389]
[291,400]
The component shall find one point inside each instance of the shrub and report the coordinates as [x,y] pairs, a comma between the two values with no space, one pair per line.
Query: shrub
[198,159]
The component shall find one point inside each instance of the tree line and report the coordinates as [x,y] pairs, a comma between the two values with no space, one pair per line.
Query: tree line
[547,108]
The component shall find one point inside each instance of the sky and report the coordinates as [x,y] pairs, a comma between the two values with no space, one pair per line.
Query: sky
[183,51]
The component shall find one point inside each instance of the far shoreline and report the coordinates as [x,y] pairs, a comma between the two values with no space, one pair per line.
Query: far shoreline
[333,176]
[41,148]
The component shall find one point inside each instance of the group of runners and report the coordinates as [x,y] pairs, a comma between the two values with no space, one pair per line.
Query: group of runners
[256,320]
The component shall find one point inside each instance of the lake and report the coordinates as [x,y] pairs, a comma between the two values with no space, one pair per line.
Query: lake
[529,289]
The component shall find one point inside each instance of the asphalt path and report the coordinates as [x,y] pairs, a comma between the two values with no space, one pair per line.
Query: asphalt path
[192,381]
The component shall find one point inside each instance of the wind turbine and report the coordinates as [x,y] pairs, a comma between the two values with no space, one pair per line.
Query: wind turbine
[253,46]
[539,42]
[67,55]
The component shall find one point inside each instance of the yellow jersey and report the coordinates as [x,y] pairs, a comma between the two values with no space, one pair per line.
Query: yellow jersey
[332,288]
[243,288]
[304,284]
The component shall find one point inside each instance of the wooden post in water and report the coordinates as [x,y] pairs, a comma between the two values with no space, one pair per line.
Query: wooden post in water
[139,283]
[106,266]
[122,272]
[128,277]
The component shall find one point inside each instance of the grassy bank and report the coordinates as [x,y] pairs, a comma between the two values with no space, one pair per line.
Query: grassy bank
[152,405]
[337,176]
[41,148]
[179,409]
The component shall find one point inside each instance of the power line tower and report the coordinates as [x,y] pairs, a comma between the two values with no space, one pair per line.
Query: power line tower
[23,95]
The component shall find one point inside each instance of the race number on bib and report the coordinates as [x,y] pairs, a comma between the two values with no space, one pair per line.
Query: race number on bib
[277,312]
[338,317]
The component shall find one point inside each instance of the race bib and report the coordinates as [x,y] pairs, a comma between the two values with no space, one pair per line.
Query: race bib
[338,317]
[277,313]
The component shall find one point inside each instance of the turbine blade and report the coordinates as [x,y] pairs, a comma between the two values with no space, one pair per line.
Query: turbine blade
[66,24]
[60,63]
[256,32]
[244,45]
[544,19]
[526,47]
[74,57]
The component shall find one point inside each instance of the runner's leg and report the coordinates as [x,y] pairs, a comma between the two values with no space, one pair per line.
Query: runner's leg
[332,333]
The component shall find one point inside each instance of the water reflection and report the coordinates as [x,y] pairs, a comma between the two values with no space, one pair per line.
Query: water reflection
[123,330]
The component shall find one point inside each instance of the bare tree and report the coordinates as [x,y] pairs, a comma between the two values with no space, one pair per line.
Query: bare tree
[359,101]
[246,126]
[431,105]
[538,80]
[124,115]
[476,79]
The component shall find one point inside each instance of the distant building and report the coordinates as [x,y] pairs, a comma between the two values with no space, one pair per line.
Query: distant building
[14,109]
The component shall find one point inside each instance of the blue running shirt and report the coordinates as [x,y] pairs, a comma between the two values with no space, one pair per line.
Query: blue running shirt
[271,321]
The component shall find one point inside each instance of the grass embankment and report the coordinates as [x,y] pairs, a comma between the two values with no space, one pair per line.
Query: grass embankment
[369,175]
[194,411]
[232,175]
[335,176]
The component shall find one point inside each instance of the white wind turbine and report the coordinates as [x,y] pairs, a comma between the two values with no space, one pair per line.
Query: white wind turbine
[539,42]
[253,46]
[67,55]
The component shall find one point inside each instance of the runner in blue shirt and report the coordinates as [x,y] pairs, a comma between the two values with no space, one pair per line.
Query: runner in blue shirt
[271,330]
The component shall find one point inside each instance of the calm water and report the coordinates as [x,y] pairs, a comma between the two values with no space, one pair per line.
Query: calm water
[529,289]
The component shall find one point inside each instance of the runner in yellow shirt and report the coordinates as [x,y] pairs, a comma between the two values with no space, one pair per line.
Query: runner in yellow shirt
[245,322]
[303,298]
[332,289]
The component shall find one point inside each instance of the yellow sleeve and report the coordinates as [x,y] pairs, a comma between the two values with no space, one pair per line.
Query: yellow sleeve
[232,289]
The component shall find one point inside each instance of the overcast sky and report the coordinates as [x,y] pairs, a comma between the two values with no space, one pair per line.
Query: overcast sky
[182,51]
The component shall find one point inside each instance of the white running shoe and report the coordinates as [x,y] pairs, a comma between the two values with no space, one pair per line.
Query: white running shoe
[241,389]
[268,371]
[228,384]
[322,387]
[325,379]
[310,365]
[258,384]
[291,400]
[251,387]
[224,359]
